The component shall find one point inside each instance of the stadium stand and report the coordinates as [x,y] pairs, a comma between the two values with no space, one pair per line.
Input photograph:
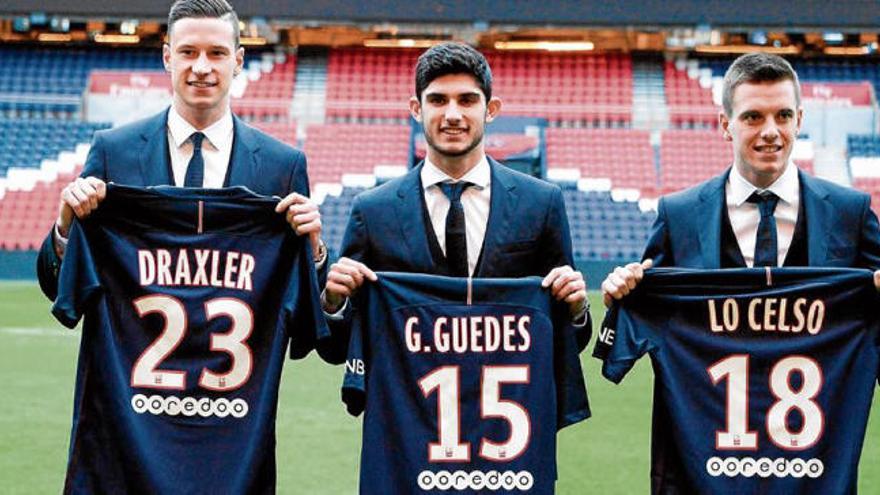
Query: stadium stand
[864,165]
[688,96]
[38,82]
[270,88]
[604,229]
[691,156]
[817,70]
[596,90]
[26,216]
[369,85]
[625,156]
[334,214]
[25,143]
[284,130]
[587,99]
[336,149]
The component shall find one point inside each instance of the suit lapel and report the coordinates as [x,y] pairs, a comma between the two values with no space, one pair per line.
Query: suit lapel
[155,163]
[243,167]
[409,211]
[819,218]
[501,206]
[709,221]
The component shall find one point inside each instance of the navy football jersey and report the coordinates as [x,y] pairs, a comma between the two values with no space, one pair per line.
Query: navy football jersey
[192,298]
[464,384]
[763,377]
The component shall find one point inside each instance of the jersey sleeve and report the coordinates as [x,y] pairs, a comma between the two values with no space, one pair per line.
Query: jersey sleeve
[571,391]
[78,282]
[354,383]
[622,342]
[305,321]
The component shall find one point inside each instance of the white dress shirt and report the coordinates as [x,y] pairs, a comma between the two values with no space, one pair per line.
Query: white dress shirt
[474,201]
[745,216]
[216,151]
[216,148]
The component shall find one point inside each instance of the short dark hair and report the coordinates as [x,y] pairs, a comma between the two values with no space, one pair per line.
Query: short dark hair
[219,9]
[757,68]
[453,58]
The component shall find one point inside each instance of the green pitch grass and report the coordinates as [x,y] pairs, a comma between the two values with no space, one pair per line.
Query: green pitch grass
[318,443]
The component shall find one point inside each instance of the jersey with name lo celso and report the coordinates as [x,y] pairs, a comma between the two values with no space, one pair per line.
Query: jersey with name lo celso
[763,377]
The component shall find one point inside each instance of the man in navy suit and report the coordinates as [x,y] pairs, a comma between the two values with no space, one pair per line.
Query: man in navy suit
[197,142]
[459,212]
[762,211]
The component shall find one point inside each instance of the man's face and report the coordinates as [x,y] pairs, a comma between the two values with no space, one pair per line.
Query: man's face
[763,129]
[454,113]
[203,60]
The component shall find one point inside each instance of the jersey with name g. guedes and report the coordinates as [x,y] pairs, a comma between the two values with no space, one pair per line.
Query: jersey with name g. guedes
[763,377]
[191,298]
[464,383]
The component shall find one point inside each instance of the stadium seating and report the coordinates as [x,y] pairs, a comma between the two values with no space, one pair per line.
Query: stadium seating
[334,149]
[690,104]
[334,216]
[819,70]
[26,143]
[26,216]
[364,85]
[690,156]
[863,145]
[284,130]
[368,84]
[269,97]
[586,98]
[864,162]
[622,155]
[603,229]
[563,87]
[48,82]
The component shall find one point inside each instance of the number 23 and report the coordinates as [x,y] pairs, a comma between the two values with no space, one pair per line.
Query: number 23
[145,372]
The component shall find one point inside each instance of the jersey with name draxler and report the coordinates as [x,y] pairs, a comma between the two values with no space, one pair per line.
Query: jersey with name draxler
[763,377]
[464,382]
[192,298]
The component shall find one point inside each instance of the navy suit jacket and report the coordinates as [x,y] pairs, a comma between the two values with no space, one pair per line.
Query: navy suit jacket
[137,155]
[527,234]
[842,231]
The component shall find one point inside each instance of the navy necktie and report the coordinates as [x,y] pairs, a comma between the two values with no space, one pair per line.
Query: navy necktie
[195,171]
[766,253]
[456,240]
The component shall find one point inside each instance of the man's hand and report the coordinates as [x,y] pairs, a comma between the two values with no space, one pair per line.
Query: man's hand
[343,279]
[567,284]
[81,197]
[877,279]
[623,280]
[303,216]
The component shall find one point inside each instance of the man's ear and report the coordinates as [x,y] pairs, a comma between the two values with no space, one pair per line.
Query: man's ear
[166,56]
[493,108]
[415,109]
[724,123]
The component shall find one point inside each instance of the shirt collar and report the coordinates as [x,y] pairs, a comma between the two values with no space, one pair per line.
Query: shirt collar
[217,133]
[480,175]
[786,186]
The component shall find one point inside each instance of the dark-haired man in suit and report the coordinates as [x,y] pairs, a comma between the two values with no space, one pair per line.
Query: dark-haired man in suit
[458,213]
[762,211]
[197,142]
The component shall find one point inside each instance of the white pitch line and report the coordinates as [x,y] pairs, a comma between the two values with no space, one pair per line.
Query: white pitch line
[39,332]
